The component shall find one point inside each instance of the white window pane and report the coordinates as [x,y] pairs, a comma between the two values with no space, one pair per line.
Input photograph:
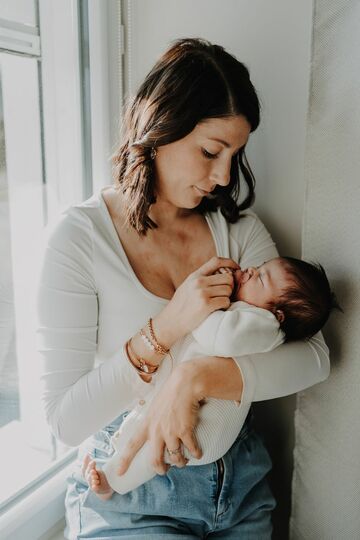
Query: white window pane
[22,11]
[27,449]
[9,380]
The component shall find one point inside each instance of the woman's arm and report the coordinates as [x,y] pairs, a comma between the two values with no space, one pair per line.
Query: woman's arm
[292,366]
[78,399]
[257,377]
[288,369]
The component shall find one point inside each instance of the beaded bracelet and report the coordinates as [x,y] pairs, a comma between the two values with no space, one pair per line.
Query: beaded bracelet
[147,341]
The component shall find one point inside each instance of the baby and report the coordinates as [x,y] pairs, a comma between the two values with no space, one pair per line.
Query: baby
[284,299]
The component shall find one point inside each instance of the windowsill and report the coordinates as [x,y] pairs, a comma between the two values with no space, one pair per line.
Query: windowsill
[37,514]
[56,533]
[22,466]
[35,507]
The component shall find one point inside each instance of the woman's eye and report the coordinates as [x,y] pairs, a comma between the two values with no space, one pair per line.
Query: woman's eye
[208,154]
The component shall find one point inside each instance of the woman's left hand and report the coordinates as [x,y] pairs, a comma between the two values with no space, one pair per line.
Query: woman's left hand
[170,423]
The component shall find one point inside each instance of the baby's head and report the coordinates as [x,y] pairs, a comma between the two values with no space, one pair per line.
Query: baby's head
[297,292]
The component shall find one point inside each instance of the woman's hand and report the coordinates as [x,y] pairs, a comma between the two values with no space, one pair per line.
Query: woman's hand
[170,422]
[173,414]
[202,292]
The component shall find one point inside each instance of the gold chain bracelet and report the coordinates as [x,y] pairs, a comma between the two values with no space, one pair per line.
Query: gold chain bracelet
[158,347]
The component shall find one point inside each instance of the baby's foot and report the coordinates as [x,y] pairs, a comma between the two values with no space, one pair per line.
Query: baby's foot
[96,479]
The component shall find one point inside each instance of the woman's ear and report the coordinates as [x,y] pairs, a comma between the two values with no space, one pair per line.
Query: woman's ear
[279,314]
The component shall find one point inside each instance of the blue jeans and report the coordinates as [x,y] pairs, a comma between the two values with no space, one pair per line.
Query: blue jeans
[189,503]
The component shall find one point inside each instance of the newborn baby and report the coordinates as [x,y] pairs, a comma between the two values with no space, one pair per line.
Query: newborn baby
[283,299]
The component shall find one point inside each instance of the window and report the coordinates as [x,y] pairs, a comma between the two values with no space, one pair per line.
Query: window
[60,94]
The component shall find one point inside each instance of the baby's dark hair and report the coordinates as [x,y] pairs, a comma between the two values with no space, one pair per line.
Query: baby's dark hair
[307,303]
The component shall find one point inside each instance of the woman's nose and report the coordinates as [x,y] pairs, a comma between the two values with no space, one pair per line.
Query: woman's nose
[221,174]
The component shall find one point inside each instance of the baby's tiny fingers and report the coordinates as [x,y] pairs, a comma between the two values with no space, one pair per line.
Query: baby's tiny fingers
[226,270]
[85,464]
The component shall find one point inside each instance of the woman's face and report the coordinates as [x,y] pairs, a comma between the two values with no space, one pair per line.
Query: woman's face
[188,169]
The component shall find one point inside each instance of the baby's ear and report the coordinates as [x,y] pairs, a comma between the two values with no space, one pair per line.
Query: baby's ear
[279,314]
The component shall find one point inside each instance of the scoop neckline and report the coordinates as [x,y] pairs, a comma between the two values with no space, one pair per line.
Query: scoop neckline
[124,256]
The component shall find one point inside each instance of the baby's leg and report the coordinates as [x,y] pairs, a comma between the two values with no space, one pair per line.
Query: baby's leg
[140,469]
[96,479]
[220,422]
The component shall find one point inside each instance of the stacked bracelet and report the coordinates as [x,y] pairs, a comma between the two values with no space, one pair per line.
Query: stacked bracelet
[147,341]
[143,364]
[152,343]
[157,346]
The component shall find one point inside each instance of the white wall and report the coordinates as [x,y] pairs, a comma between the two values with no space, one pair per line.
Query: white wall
[326,487]
[273,39]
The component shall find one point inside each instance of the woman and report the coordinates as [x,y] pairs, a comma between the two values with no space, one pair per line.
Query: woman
[133,269]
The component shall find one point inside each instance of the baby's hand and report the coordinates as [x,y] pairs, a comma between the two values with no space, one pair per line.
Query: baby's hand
[224,270]
[96,479]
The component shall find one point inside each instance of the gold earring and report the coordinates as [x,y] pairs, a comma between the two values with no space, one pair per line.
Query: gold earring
[153,152]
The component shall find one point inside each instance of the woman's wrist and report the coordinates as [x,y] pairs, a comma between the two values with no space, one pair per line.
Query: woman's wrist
[146,350]
[212,376]
[144,353]
[167,329]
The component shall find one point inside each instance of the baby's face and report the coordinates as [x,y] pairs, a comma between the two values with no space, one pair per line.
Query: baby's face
[261,285]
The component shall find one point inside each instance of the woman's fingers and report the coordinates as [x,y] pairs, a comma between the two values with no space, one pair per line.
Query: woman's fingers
[189,440]
[217,279]
[131,449]
[220,290]
[214,264]
[175,452]
[158,460]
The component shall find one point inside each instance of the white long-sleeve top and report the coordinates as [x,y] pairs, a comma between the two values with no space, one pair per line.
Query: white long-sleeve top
[90,302]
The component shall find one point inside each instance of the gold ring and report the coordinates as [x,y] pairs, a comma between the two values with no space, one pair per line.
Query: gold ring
[177,451]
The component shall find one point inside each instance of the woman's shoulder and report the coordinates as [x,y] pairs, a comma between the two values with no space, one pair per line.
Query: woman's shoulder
[247,222]
[71,228]
[248,240]
[71,222]
[76,221]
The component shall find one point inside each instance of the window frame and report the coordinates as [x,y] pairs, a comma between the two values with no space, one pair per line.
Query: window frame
[36,510]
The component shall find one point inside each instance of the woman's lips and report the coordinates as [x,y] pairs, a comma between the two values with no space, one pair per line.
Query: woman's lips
[202,191]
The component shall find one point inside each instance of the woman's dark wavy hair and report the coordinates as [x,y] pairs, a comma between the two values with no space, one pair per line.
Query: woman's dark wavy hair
[192,81]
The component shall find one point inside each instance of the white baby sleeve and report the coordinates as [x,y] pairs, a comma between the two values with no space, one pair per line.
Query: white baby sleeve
[242,329]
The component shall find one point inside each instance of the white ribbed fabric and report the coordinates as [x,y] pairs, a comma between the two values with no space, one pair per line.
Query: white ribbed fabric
[326,481]
[242,329]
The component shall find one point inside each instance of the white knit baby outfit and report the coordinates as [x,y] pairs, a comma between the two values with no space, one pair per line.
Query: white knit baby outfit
[242,329]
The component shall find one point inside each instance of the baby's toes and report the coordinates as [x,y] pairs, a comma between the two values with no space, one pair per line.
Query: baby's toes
[94,479]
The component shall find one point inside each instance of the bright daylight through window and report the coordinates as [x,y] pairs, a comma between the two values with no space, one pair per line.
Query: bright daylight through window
[29,453]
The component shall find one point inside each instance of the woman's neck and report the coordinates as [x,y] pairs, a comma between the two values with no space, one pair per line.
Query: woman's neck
[166,215]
